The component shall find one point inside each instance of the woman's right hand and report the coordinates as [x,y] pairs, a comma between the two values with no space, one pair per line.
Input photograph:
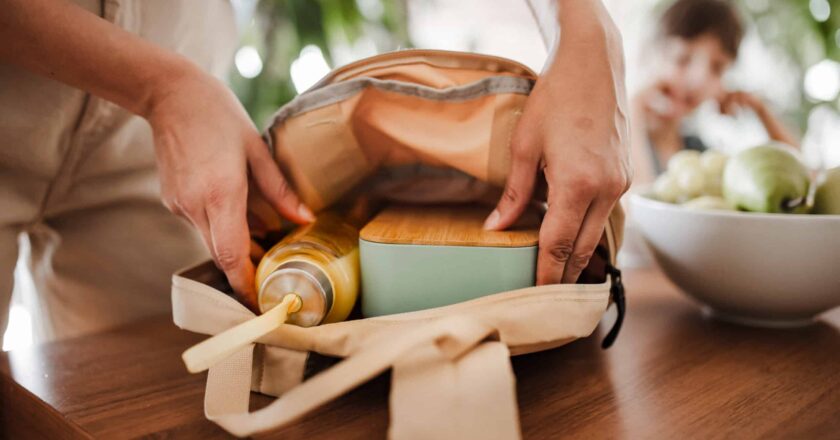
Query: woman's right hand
[206,146]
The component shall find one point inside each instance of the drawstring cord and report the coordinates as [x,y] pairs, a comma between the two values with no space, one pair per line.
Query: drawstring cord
[213,350]
[617,293]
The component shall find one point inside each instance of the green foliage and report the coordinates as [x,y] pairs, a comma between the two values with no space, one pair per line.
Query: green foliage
[790,25]
[281,28]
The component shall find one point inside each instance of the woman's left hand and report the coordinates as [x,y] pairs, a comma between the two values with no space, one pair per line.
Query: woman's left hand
[574,128]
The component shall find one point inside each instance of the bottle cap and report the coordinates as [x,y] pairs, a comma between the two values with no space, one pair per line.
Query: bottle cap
[305,280]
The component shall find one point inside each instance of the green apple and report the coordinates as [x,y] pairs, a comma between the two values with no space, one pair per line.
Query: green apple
[713,203]
[690,182]
[713,163]
[827,197]
[766,178]
[665,188]
[683,159]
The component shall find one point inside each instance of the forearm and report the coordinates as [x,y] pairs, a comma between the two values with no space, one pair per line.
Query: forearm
[58,39]
[574,128]
[585,25]
[590,57]
[589,52]
[585,18]
[640,148]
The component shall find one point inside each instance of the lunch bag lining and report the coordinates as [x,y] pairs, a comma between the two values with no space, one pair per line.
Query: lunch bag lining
[334,93]
[437,59]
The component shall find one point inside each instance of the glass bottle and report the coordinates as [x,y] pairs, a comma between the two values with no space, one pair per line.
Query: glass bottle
[319,263]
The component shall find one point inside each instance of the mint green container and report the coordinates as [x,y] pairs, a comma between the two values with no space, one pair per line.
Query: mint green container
[405,277]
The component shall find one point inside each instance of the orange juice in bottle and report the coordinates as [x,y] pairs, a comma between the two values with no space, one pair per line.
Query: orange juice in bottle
[311,277]
[319,263]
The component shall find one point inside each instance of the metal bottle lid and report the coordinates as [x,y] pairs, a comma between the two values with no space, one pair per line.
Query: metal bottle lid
[305,280]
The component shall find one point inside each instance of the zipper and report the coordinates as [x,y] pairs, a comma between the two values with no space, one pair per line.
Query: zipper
[617,294]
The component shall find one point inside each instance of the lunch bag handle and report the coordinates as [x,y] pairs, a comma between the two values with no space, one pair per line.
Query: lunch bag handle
[450,379]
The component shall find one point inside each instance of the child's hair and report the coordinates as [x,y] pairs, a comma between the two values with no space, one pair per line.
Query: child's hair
[689,19]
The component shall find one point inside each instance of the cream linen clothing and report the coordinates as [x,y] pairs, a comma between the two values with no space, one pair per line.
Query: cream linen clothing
[78,178]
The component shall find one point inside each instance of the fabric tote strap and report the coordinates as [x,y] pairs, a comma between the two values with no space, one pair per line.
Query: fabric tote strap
[452,340]
[472,397]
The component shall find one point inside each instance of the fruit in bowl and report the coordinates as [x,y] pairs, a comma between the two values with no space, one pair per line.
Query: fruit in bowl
[743,245]
[759,269]
[827,196]
[692,175]
[767,178]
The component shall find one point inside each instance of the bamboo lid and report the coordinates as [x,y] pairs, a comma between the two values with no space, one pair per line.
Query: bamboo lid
[448,225]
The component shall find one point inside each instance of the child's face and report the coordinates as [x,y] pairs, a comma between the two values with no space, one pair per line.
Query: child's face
[689,73]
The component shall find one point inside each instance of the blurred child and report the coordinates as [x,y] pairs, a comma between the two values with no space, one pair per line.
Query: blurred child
[697,42]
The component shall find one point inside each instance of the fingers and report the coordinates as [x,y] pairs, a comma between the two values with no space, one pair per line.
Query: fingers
[578,210]
[731,102]
[588,238]
[231,242]
[566,210]
[518,189]
[199,219]
[726,104]
[274,186]
[722,106]
[256,251]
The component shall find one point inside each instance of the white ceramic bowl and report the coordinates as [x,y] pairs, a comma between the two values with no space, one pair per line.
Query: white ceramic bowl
[761,269]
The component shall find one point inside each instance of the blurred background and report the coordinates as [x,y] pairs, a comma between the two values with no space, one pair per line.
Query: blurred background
[790,57]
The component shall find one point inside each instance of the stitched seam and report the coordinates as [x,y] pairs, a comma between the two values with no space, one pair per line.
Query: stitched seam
[334,93]
[412,56]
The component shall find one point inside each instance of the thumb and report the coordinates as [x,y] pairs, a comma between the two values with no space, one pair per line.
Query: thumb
[517,193]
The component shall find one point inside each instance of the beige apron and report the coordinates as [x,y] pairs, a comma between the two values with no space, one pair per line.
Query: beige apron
[78,180]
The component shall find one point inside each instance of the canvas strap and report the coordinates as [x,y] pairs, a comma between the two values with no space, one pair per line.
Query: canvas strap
[473,396]
[455,366]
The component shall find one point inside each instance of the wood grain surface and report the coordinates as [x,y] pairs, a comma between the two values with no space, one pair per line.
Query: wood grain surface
[673,373]
[455,225]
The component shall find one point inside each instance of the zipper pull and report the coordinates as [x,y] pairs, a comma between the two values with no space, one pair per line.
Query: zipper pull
[617,293]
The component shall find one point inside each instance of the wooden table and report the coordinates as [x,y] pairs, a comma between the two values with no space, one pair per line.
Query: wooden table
[672,374]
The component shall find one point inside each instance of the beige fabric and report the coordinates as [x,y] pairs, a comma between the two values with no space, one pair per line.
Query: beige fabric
[442,359]
[433,396]
[451,341]
[78,180]
[228,384]
[200,308]
[278,369]
[406,122]
[462,109]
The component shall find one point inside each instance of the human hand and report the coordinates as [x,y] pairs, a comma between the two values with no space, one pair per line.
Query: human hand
[573,127]
[205,146]
[730,102]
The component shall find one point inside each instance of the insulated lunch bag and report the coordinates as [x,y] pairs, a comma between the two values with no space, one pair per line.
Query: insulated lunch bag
[411,126]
